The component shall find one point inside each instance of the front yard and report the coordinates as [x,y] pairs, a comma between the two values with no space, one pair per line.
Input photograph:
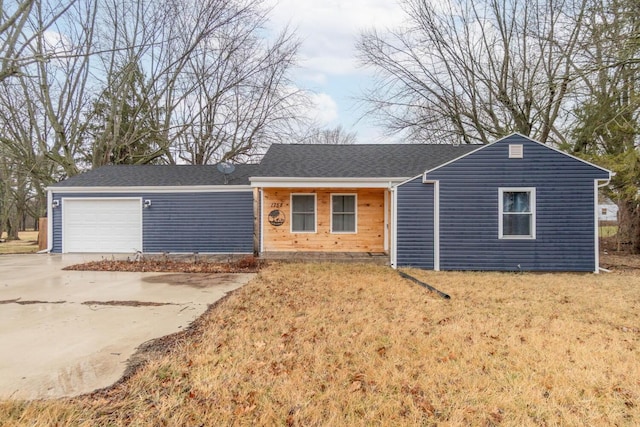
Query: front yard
[331,344]
[28,243]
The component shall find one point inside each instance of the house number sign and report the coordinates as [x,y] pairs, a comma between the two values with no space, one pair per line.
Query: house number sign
[276,217]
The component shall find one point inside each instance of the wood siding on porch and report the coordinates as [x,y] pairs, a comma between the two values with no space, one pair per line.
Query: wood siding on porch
[370,222]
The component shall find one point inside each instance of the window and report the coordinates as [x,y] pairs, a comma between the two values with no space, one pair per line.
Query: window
[343,213]
[303,213]
[517,213]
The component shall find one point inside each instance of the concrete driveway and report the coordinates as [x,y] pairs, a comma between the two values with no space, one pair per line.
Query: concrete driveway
[64,333]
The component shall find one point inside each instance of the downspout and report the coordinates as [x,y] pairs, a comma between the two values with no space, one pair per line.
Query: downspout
[436,225]
[596,223]
[394,222]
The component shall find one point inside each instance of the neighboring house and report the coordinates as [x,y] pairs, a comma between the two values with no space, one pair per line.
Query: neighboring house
[512,205]
[607,210]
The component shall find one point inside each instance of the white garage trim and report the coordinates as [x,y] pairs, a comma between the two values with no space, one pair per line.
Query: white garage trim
[101,224]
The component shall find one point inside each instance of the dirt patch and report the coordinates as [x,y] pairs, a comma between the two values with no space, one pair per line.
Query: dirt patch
[202,280]
[616,257]
[248,264]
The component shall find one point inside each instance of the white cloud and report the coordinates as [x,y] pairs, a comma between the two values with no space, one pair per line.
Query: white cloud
[329,29]
[324,109]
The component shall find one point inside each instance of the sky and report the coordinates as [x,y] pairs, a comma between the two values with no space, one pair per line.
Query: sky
[328,62]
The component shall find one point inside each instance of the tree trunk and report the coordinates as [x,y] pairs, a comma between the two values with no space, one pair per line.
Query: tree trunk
[629,226]
[12,228]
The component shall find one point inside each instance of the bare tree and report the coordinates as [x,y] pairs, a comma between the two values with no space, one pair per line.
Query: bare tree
[243,101]
[135,81]
[337,135]
[213,87]
[16,35]
[608,115]
[474,71]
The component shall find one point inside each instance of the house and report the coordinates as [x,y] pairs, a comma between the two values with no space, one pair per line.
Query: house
[511,205]
[607,210]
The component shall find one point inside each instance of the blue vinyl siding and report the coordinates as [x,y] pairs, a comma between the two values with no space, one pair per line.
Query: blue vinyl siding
[207,222]
[469,212]
[415,230]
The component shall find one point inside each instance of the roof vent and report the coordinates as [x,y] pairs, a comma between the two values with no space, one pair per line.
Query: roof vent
[516,151]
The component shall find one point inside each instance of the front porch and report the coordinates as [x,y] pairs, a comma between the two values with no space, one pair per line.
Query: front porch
[377,258]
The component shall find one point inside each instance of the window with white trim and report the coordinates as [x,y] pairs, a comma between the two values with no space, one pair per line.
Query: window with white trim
[303,213]
[343,213]
[517,213]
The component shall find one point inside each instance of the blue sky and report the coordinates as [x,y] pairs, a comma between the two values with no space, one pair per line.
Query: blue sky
[329,68]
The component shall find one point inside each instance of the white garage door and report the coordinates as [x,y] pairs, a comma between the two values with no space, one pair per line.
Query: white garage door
[102,225]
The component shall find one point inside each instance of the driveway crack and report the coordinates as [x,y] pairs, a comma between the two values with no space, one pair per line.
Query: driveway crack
[129,303]
[28,302]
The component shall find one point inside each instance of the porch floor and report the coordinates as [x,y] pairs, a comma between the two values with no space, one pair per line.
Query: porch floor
[378,258]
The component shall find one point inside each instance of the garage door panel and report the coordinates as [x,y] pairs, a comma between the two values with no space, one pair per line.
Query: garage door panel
[102,225]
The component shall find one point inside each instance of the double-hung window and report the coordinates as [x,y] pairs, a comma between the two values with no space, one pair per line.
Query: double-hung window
[517,213]
[303,213]
[343,213]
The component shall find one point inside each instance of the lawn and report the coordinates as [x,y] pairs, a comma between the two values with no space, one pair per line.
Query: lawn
[607,230]
[27,244]
[338,344]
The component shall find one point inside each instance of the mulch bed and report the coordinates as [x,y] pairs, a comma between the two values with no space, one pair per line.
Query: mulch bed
[248,264]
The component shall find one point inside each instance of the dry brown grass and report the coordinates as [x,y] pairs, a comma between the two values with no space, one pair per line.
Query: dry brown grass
[322,344]
[27,244]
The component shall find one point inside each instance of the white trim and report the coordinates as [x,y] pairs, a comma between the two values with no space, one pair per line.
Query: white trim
[63,203]
[305,182]
[454,160]
[595,227]
[386,222]
[528,139]
[532,205]
[596,223]
[436,226]
[50,220]
[394,215]
[355,207]
[261,221]
[167,189]
[436,223]
[408,180]
[315,213]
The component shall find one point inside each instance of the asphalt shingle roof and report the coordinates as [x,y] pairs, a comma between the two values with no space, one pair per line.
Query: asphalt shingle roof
[357,160]
[158,176]
[284,160]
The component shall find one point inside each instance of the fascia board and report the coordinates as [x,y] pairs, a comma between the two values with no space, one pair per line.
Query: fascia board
[295,182]
[164,189]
